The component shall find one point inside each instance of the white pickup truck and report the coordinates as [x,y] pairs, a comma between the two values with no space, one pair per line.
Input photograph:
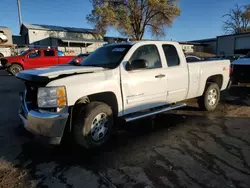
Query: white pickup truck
[127,80]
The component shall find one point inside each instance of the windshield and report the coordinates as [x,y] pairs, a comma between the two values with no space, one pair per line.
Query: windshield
[107,56]
[24,52]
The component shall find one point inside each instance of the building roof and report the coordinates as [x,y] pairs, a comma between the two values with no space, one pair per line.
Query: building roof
[81,40]
[58,28]
[247,33]
[190,43]
[204,40]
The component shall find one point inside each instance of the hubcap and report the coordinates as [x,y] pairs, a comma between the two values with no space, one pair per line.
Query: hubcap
[15,71]
[212,97]
[99,127]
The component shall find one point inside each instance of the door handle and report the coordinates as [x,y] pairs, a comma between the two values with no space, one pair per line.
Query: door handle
[160,76]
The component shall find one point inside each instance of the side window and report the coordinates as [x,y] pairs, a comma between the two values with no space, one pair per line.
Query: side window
[34,54]
[150,54]
[49,53]
[171,55]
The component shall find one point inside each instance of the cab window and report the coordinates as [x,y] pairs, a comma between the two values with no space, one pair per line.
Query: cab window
[171,55]
[150,54]
[49,53]
[34,54]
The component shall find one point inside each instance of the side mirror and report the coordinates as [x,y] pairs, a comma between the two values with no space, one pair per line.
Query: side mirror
[137,64]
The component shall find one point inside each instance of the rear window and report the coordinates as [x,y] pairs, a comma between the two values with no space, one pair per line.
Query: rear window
[171,55]
[48,53]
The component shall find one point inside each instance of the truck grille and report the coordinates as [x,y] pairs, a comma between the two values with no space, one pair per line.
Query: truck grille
[31,96]
[241,74]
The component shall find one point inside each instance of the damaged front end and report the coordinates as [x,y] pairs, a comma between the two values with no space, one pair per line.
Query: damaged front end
[47,124]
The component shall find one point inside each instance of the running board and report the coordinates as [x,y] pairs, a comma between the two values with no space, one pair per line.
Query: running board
[154,112]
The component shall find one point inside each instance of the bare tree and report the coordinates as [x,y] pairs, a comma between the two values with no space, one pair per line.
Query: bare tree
[132,17]
[238,20]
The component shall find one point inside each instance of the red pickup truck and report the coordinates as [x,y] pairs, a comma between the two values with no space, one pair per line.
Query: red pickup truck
[34,58]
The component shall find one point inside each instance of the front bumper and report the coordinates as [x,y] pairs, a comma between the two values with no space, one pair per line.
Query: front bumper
[48,126]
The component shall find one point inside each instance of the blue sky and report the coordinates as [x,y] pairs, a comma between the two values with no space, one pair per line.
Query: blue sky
[199,18]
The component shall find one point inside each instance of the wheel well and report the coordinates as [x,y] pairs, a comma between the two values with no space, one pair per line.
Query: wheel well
[218,79]
[1,55]
[106,97]
[16,63]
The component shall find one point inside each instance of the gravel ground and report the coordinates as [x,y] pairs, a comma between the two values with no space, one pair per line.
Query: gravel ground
[184,148]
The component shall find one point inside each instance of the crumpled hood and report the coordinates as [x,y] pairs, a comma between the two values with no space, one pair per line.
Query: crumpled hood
[245,61]
[55,71]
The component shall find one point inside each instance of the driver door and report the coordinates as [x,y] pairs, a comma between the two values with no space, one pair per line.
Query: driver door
[144,88]
[33,59]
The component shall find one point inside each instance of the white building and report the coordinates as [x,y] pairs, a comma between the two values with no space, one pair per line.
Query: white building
[79,40]
[187,47]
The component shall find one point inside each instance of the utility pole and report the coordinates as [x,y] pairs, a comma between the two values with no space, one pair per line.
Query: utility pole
[19,13]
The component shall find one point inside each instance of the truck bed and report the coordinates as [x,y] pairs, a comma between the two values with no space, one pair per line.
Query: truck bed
[199,72]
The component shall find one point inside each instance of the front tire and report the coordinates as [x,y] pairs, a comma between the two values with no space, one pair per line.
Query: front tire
[93,125]
[211,97]
[14,69]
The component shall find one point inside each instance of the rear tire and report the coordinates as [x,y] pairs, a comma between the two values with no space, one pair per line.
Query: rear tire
[14,69]
[93,125]
[211,97]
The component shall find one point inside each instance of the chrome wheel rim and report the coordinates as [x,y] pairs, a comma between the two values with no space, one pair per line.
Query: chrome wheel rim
[212,97]
[99,127]
[15,71]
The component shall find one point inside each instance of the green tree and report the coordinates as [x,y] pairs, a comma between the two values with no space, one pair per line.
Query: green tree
[238,20]
[132,17]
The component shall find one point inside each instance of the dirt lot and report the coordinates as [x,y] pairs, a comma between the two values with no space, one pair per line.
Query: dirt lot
[184,148]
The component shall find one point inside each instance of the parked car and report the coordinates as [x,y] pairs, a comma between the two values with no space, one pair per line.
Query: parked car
[78,59]
[124,80]
[34,58]
[3,37]
[241,70]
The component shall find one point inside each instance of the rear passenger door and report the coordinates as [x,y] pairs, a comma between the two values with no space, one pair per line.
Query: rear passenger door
[50,57]
[176,72]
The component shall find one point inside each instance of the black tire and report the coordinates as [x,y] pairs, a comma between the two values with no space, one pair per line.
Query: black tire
[82,131]
[229,84]
[1,55]
[14,69]
[204,102]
